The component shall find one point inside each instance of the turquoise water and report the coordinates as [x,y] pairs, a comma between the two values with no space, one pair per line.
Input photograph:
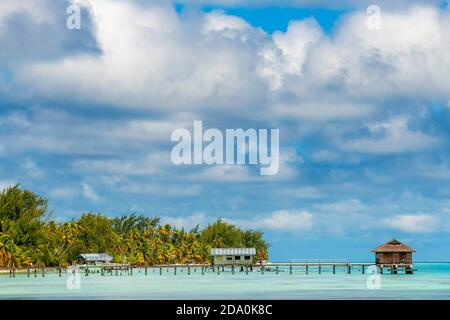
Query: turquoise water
[430,281]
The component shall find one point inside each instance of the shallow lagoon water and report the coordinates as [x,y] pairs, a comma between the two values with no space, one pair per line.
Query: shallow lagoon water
[430,281]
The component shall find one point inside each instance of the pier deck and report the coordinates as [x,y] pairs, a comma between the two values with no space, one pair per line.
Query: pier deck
[273,267]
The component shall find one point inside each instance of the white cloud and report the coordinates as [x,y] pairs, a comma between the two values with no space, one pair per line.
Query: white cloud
[334,4]
[392,136]
[420,223]
[218,21]
[122,167]
[439,170]
[187,222]
[35,8]
[402,60]
[342,207]
[162,190]
[153,61]
[51,131]
[219,67]
[64,193]
[323,112]
[225,173]
[301,192]
[246,173]
[288,52]
[325,155]
[6,184]
[32,170]
[282,220]
[156,61]
[89,193]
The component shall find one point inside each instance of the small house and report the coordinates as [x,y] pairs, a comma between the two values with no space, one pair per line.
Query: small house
[233,256]
[393,252]
[94,258]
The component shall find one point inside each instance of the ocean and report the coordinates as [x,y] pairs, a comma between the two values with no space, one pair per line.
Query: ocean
[429,281]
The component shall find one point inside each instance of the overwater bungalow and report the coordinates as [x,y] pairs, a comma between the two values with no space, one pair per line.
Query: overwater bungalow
[94,258]
[233,256]
[394,254]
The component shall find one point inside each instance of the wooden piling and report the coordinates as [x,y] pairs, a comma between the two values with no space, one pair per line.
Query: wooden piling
[273,268]
[28,272]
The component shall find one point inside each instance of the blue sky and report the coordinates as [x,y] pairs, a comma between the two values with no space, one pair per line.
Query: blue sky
[86,116]
[272,19]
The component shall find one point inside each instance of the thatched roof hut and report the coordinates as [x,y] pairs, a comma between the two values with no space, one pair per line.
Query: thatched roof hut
[393,246]
[393,252]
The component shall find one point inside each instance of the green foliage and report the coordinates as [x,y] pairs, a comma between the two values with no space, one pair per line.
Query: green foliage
[224,235]
[21,215]
[125,224]
[96,234]
[29,238]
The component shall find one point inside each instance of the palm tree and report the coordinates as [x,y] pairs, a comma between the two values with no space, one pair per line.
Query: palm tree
[11,255]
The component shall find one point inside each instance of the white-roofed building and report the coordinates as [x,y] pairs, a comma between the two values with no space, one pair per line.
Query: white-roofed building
[94,258]
[233,256]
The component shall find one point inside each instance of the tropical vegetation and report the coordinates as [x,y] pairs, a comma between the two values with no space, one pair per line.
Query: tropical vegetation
[29,237]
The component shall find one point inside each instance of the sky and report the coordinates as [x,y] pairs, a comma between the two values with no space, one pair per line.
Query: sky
[86,116]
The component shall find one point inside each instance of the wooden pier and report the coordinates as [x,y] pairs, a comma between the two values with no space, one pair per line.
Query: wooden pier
[305,267]
[395,268]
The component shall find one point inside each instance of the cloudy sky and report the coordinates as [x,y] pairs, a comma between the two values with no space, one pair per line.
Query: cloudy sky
[364,115]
